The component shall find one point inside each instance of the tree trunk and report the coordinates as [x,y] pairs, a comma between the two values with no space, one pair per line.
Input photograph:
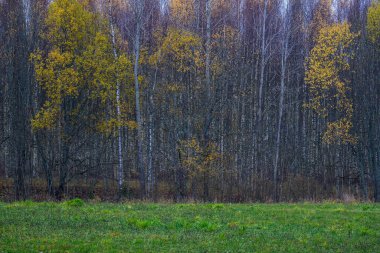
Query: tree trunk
[120,170]
[139,19]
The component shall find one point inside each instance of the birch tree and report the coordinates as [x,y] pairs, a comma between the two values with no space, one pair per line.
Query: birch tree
[284,54]
[138,10]
[118,103]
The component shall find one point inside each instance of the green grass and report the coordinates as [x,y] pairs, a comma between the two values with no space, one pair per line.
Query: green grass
[75,226]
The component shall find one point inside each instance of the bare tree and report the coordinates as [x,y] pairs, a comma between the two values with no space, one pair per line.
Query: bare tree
[138,9]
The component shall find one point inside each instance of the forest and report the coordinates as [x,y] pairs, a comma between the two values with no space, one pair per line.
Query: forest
[190,100]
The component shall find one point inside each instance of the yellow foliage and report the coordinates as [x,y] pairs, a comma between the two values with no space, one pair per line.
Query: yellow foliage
[224,41]
[45,118]
[339,130]
[108,126]
[197,158]
[328,60]
[174,87]
[183,11]
[79,66]
[219,7]
[373,23]
[111,125]
[131,124]
[67,24]
[180,50]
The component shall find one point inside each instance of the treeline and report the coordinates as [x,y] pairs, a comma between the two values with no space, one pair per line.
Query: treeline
[213,100]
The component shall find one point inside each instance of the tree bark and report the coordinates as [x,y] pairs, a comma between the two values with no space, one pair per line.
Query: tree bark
[120,173]
[139,5]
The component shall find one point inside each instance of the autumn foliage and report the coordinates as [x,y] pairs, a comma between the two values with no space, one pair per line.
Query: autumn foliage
[328,62]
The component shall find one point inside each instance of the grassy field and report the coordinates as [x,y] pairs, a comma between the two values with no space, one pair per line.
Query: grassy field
[75,226]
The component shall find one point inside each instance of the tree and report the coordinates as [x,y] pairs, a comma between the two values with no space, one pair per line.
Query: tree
[205,80]
[373,97]
[285,52]
[80,75]
[373,23]
[16,91]
[138,9]
[329,91]
[181,52]
[321,18]
[183,12]
[118,105]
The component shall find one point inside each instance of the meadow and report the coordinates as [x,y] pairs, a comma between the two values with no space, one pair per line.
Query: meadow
[76,226]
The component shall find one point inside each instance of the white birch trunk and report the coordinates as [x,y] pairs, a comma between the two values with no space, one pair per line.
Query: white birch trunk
[280,113]
[120,171]
[139,5]
[263,62]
